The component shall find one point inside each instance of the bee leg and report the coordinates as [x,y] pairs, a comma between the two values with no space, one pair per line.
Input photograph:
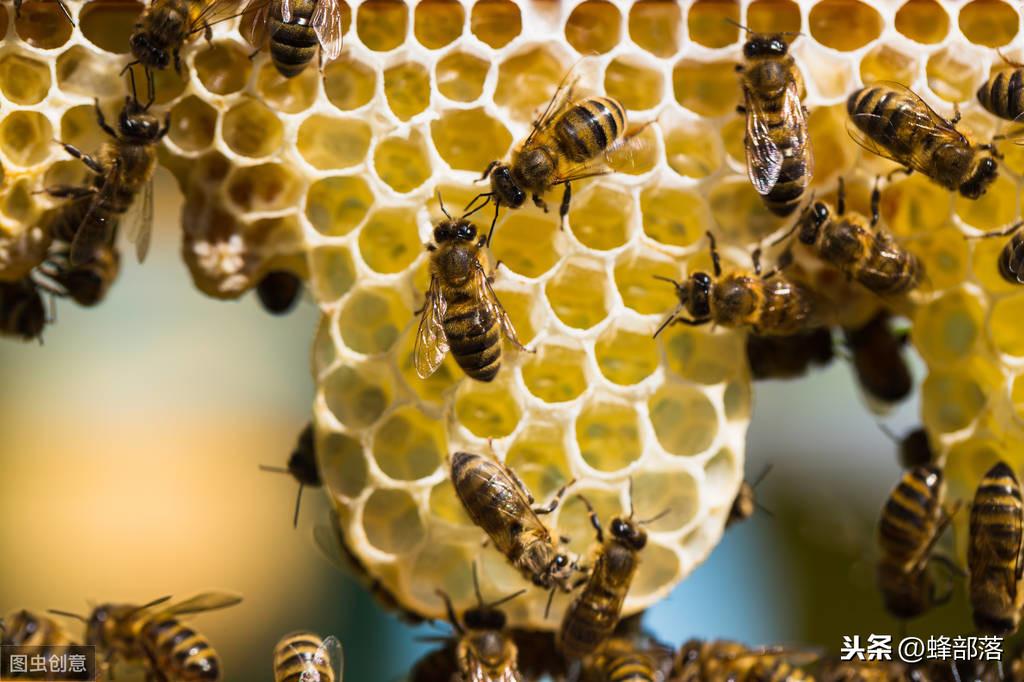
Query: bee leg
[755,258]
[876,200]
[539,203]
[553,504]
[956,115]
[166,128]
[68,191]
[208,33]
[690,323]
[252,55]
[594,521]
[17,9]
[66,11]
[999,233]
[487,171]
[102,121]
[741,110]
[93,165]
[715,260]
[563,210]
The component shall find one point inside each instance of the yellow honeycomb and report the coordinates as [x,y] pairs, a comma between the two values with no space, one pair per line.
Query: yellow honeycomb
[334,174]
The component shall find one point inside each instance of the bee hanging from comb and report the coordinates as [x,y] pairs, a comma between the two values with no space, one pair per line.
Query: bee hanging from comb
[745,502]
[302,466]
[996,537]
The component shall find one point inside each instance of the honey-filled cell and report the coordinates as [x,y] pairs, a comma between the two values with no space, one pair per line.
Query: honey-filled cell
[699,355]
[495,22]
[42,25]
[327,142]
[407,89]
[349,83]
[437,23]
[992,23]
[713,23]
[252,129]
[773,16]
[527,81]
[23,80]
[392,521]
[886,63]
[844,25]
[382,24]
[469,139]
[389,241]
[924,21]
[26,138]
[635,279]
[525,242]
[636,86]
[460,76]
[193,124]
[335,205]
[655,26]
[685,421]
[577,293]
[677,217]
[223,68]
[608,434]
[698,86]
[555,372]
[593,27]
[287,95]
[372,319]
[409,445]
[626,357]
[403,163]
[489,409]
[600,218]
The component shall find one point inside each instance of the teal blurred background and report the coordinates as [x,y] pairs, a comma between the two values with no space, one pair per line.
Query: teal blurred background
[129,469]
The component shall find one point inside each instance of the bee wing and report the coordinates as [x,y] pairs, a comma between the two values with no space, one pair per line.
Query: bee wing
[489,299]
[213,12]
[95,229]
[331,653]
[207,601]
[139,221]
[560,100]
[431,343]
[328,26]
[254,22]
[764,158]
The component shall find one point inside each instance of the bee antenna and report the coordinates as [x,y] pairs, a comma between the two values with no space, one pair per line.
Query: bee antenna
[274,470]
[58,612]
[151,604]
[441,201]
[888,432]
[487,199]
[667,322]
[662,514]
[547,607]
[298,505]
[761,476]
[452,618]
[737,24]
[504,599]
[632,511]
[476,587]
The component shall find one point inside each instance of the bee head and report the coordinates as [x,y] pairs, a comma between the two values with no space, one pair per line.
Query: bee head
[814,219]
[980,177]
[302,462]
[135,124]
[143,49]
[505,188]
[451,230]
[95,627]
[484,618]
[629,533]
[689,652]
[698,296]
[765,45]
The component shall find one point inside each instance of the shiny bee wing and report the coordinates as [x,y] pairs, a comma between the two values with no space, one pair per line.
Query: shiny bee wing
[764,158]
[139,221]
[253,26]
[214,12]
[286,10]
[332,654]
[559,102]
[431,342]
[95,230]
[489,299]
[328,25]
[207,601]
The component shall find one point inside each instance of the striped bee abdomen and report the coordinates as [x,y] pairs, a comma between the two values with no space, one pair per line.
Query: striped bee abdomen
[785,195]
[473,336]
[910,515]
[1003,94]
[590,128]
[299,653]
[179,650]
[887,116]
[293,44]
[1011,259]
[997,517]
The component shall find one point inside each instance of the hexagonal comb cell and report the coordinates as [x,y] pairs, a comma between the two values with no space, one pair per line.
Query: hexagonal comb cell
[555,372]
[438,22]
[402,162]
[538,456]
[23,80]
[392,521]
[496,22]
[626,357]
[593,27]
[923,20]
[469,139]
[577,293]
[42,25]
[684,418]
[335,205]
[328,142]
[193,124]
[407,88]
[357,396]
[389,242]
[712,23]
[26,138]
[372,320]
[409,445]
[991,23]
[251,129]
[349,83]
[382,24]
[460,76]
[608,434]
[844,25]
[770,16]
[343,464]
[488,410]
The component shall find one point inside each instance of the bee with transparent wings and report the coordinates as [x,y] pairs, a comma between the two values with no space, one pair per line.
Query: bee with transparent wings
[307,657]
[292,29]
[166,25]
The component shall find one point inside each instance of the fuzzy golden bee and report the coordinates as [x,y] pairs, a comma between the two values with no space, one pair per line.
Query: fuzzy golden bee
[857,247]
[302,466]
[87,283]
[912,521]
[461,311]
[498,502]
[278,291]
[769,304]
[621,659]
[156,637]
[726,661]
[779,159]
[879,361]
[788,357]
[1011,257]
[1002,94]
[165,26]
[914,448]
[22,311]
[25,628]
[307,657]
[890,120]
[745,502]
[123,171]
[571,140]
[292,29]
[994,563]
[872,671]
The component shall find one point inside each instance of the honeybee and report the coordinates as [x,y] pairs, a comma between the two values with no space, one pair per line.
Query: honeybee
[157,639]
[22,312]
[166,25]
[306,657]
[592,616]
[278,291]
[872,671]
[914,448]
[779,159]
[912,521]
[745,502]
[25,628]
[498,501]
[769,304]
[293,28]
[461,310]
[622,660]
[1002,94]
[1011,258]
[60,3]
[878,360]
[894,122]
[725,661]
[123,170]
[571,140]
[994,552]
[788,357]
[86,284]
[302,466]
[856,247]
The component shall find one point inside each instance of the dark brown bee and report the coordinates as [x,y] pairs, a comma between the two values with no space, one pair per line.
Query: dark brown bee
[745,503]
[168,648]
[60,3]
[912,521]
[24,628]
[22,312]
[307,657]
[878,360]
[770,304]
[725,661]
[87,283]
[994,552]
[278,291]
[622,660]
[914,448]
[302,466]
[788,357]
[857,247]
[166,25]
[779,159]
[293,28]
[894,122]
[570,141]
[461,310]
[498,501]
[123,170]
[1011,258]
[872,671]
[1002,94]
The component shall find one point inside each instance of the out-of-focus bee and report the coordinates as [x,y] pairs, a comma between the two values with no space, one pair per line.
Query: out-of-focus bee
[461,310]
[912,521]
[60,3]
[570,141]
[745,503]
[994,552]
[292,29]
[87,283]
[621,660]
[278,291]
[857,247]
[25,628]
[1002,94]
[779,159]
[157,639]
[166,25]
[872,671]
[302,466]
[769,304]
[788,357]
[592,616]
[123,170]
[878,360]
[498,501]
[306,657]
[894,122]
[914,448]
[1011,258]
[22,312]
[725,661]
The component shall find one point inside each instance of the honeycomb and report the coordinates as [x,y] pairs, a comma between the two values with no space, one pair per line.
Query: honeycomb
[333,175]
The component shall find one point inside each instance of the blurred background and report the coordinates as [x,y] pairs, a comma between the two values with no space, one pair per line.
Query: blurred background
[129,453]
